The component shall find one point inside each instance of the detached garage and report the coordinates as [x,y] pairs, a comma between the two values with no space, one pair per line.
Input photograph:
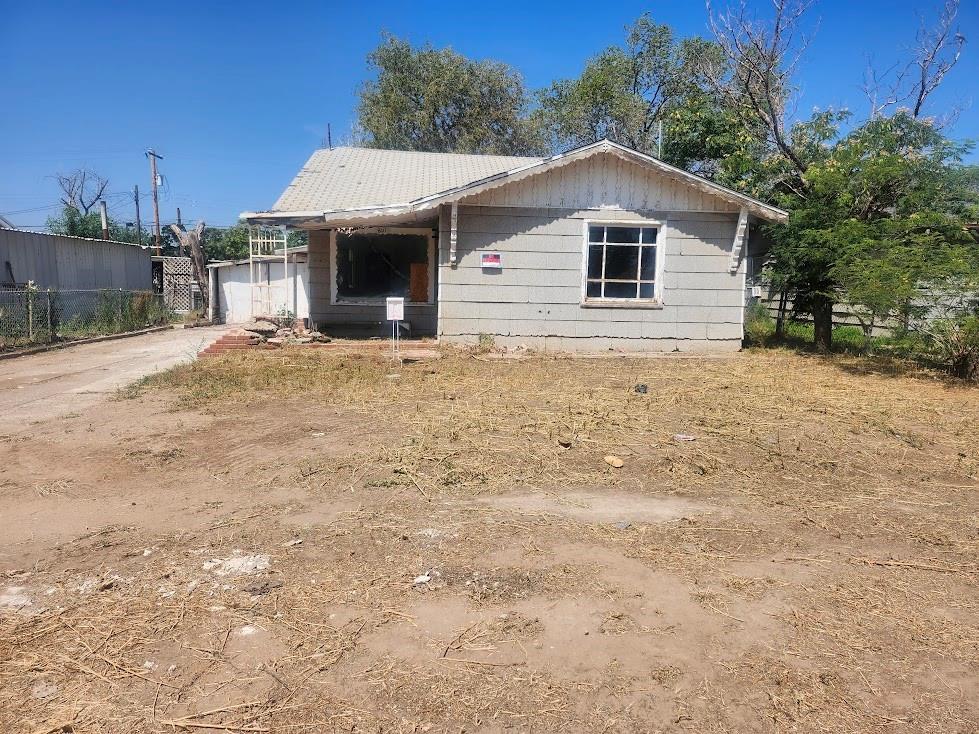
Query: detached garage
[599,248]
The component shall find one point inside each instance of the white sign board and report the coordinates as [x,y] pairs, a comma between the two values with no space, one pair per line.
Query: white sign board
[396,309]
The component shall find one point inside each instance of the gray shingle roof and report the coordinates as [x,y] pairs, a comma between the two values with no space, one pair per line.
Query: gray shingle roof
[352,178]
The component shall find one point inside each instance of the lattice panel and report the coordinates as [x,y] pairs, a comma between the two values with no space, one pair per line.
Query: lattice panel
[265,240]
[178,276]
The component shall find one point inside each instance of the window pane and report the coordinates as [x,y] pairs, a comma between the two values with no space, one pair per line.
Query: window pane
[375,265]
[648,269]
[647,290]
[649,235]
[627,235]
[621,262]
[594,289]
[596,234]
[620,290]
[594,261]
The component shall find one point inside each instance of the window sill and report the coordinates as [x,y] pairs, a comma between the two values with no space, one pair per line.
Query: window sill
[621,303]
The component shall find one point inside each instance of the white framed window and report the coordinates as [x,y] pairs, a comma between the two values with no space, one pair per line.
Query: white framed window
[622,263]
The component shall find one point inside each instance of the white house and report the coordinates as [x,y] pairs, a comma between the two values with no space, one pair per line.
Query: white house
[598,248]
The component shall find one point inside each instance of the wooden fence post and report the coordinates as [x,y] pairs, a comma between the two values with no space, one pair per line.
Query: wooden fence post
[50,320]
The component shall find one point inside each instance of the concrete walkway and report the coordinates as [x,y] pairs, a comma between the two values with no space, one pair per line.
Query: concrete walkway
[51,384]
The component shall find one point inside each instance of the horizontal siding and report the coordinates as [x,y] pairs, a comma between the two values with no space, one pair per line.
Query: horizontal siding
[575,313]
[537,293]
[601,345]
[619,329]
[565,294]
[604,180]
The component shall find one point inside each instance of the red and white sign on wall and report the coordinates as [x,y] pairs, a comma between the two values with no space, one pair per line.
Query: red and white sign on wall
[490,260]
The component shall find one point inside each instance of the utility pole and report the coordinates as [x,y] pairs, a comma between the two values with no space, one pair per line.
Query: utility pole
[105,219]
[180,224]
[152,155]
[139,226]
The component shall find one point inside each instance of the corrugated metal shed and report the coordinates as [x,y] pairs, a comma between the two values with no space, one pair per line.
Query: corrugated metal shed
[72,263]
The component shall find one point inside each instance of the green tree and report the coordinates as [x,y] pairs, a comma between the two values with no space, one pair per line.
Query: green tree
[226,244]
[854,200]
[438,100]
[881,226]
[627,92]
[70,221]
[231,243]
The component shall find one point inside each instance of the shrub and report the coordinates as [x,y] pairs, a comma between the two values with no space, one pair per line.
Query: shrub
[759,326]
[486,343]
[955,343]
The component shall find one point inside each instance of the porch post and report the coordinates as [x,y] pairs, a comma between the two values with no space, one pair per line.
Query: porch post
[453,232]
[285,268]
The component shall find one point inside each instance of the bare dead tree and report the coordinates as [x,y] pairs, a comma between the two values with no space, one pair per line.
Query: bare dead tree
[192,241]
[880,94]
[761,60]
[936,51]
[81,189]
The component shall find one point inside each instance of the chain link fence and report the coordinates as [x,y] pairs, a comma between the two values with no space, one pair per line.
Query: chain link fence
[32,316]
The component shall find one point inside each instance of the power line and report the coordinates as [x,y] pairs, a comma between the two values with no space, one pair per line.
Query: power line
[33,209]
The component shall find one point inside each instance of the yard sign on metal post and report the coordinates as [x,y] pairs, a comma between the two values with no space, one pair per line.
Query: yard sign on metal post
[396,314]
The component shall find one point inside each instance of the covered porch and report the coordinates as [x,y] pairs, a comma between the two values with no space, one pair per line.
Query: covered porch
[354,269]
[355,264]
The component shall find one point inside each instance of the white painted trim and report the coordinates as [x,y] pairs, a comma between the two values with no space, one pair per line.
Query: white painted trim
[333,267]
[744,292]
[335,300]
[740,240]
[595,209]
[657,300]
[453,232]
[438,276]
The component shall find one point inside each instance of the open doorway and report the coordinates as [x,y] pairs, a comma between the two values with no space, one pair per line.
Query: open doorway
[371,265]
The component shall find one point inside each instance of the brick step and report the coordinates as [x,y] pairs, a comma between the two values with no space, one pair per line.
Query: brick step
[232,341]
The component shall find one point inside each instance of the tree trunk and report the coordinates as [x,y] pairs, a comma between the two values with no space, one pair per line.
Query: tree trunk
[822,319]
[868,336]
[192,241]
[780,319]
[965,365]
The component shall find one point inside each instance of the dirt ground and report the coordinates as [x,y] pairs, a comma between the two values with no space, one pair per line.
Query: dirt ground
[306,541]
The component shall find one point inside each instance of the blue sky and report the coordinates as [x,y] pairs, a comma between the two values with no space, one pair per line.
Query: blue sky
[236,95]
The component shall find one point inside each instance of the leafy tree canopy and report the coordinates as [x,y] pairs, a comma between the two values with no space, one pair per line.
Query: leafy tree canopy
[881,223]
[627,92]
[438,100]
[70,221]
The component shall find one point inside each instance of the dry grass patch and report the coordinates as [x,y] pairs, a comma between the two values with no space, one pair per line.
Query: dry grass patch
[806,563]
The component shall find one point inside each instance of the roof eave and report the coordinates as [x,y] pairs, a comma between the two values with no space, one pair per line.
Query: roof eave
[758,208]
[755,207]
